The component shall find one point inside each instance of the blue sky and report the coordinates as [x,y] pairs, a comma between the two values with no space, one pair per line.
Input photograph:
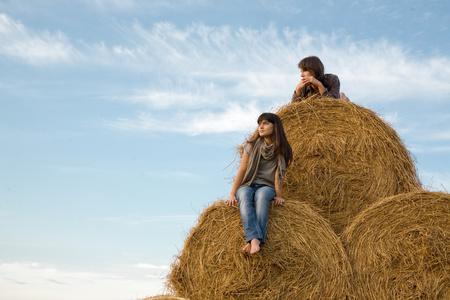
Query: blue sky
[119,118]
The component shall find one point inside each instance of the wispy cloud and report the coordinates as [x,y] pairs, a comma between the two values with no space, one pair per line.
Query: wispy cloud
[22,280]
[185,93]
[218,78]
[379,68]
[34,47]
[233,118]
[260,65]
[253,62]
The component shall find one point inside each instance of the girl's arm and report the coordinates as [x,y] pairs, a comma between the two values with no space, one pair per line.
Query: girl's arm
[278,191]
[299,87]
[238,180]
[315,82]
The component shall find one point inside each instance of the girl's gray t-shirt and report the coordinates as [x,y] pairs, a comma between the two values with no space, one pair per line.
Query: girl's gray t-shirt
[266,170]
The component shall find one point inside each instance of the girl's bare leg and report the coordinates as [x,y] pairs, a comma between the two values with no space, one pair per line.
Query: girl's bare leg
[247,248]
[255,246]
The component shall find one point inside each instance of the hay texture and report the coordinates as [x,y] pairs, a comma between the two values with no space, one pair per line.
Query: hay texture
[301,259]
[345,158]
[400,247]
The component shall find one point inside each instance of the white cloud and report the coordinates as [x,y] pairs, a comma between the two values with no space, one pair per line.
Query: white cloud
[385,71]
[245,61]
[34,47]
[202,77]
[232,118]
[260,65]
[31,280]
[186,93]
[377,69]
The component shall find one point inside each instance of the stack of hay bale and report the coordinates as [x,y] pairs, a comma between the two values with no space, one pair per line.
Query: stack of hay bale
[356,223]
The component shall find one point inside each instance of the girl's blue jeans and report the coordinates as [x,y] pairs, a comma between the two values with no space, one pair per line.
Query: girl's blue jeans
[254,207]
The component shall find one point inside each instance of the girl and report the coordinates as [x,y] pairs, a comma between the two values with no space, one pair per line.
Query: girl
[314,81]
[260,177]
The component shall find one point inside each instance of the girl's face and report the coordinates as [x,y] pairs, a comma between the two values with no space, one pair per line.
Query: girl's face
[306,73]
[265,128]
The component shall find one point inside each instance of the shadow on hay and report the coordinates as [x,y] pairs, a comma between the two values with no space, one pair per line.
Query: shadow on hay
[301,259]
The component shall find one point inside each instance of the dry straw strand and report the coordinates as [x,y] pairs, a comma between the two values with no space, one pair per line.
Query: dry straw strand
[400,247]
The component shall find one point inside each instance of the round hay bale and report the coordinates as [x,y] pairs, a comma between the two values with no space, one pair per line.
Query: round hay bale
[302,258]
[345,158]
[400,247]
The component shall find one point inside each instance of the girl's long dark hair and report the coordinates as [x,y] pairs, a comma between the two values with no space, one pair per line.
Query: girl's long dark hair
[279,139]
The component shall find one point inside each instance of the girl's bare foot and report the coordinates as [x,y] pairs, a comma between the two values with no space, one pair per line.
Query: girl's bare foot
[247,248]
[255,246]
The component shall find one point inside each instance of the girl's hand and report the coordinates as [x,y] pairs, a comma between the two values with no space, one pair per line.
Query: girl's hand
[315,83]
[299,87]
[279,201]
[310,80]
[231,200]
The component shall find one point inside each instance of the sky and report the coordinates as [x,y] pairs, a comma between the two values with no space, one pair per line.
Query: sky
[120,119]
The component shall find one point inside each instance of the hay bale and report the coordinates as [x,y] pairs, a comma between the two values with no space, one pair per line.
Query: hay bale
[400,247]
[301,259]
[345,158]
